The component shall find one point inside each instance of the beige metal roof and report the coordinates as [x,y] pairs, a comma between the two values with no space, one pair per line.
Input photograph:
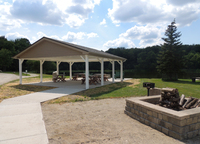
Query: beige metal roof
[54,50]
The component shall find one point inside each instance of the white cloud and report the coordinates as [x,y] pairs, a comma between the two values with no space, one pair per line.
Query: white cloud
[41,34]
[97,2]
[92,35]
[157,12]
[13,36]
[147,35]
[142,32]
[182,2]
[103,22]
[120,42]
[5,22]
[51,12]
[69,37]
[150,42]
[74,21]
[72,37]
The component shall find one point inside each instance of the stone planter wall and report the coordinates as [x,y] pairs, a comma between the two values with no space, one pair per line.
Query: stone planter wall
[177,124]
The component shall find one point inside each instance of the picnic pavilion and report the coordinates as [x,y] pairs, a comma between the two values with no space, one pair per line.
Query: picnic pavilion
[48,49]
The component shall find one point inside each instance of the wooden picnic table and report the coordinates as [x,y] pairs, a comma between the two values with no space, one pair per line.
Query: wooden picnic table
[61,77]
[105,76]
[95,79]
[76,75]
[194,78]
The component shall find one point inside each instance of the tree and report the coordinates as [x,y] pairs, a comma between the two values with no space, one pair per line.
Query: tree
[5,59]
[170,58]
[21,44]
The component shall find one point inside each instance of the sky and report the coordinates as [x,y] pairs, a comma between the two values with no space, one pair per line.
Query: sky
[100,24]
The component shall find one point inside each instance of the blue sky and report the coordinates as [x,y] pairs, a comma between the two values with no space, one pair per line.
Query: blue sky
[100,24]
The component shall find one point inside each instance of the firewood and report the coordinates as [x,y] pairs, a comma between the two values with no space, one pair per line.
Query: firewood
[196,104]
[173,99]
[169,90]
[162,94]
[182,99]
[168,94]
[170,98]
[177,95]
[188,100]
[175,105]
[191,103]
[161,98]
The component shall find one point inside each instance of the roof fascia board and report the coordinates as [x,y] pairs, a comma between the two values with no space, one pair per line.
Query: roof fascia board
[109,57]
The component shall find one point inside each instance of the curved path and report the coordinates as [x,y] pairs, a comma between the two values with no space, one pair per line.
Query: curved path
[21,118]
[5,78]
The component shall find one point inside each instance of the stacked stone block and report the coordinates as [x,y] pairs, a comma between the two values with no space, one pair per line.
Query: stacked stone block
[179,127]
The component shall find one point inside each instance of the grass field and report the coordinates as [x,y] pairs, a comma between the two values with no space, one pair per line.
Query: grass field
[184,86]
[131,88]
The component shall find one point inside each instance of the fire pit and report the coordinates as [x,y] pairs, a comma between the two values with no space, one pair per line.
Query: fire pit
[181,125]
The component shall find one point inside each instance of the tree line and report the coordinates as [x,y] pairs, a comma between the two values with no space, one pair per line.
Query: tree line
[140,62]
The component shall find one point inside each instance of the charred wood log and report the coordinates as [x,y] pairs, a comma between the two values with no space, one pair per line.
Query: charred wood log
[170,98]
[174,99]
[188,100]
[191,103]
[196,104]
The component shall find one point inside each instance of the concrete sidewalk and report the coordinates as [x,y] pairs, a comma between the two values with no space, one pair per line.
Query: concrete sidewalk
[5,78]
[21,119]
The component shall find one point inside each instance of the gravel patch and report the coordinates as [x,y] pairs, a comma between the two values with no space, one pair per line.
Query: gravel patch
[97,122]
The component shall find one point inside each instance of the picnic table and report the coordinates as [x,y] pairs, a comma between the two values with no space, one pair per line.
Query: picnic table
[61,77]
[95,79]
[76,75]
[105,76]
[194,78]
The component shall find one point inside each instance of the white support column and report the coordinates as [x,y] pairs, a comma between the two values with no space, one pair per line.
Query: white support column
[20,70]
[102,72]
[70,70]
[41,70]
[86,72]
[113,71]
[121,70]
[58,63]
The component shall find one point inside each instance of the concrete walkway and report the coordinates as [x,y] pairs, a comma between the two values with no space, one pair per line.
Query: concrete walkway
[21,118]
[5,78]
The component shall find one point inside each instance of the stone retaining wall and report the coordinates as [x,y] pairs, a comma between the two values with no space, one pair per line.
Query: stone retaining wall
[177,124]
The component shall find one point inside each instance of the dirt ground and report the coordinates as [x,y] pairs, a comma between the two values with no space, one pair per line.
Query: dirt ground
[100,122]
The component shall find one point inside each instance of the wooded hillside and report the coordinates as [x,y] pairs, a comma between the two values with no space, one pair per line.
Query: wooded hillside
[141,62]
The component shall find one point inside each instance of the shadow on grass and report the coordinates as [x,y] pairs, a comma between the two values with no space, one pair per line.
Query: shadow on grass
[31,88]
[96,92]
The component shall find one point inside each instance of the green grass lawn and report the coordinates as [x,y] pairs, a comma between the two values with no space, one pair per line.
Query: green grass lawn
[131,88]
[184,86]
[120,90]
